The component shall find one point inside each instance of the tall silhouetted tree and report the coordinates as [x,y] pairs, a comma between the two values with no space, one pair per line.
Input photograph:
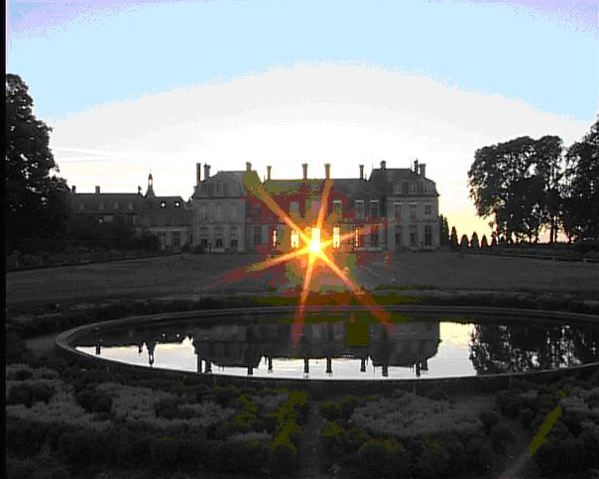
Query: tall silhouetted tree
[443,231]
[474,241]
[36,202]
[453,239]
[580,216]
[483,242]
[464,241]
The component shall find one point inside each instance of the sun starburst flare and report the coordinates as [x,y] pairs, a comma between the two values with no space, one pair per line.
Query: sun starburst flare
[315,249]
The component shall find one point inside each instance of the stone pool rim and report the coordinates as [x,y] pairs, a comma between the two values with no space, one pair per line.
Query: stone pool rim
[64,339]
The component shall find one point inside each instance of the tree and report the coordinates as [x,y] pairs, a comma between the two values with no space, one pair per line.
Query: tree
[464,243]
[474,241]
[443,231]
[580,217]
[484,243]
[517,185]
[36,202]
[453,239]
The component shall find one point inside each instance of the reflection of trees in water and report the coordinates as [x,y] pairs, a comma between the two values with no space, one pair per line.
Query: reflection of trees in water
[520,347]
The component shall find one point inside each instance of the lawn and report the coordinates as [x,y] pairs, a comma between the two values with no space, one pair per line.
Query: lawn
[193,275]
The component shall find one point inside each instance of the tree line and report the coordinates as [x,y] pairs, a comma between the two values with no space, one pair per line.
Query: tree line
[524,186]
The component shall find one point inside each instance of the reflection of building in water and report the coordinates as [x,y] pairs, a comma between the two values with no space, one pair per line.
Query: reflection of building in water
[409,344]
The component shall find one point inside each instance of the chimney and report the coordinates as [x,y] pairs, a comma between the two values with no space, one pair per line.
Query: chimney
[206,171]
[248,166]
[416,166]
[198,173]
[268,170]
[383,165]
[361,172]
[97,190]
[423,170]
[305,168]
[73,189]
[327,171]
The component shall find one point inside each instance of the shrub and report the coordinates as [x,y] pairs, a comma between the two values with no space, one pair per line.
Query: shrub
[94,401]
[29,393]
[340,409]
[489,419]
[164,453]
[479,454]
[283,454]
[383,458]
[500,435]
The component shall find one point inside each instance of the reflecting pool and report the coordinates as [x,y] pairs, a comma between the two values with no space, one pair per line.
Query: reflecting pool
[349,346]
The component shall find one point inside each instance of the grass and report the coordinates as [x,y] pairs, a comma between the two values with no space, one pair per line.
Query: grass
[198,275]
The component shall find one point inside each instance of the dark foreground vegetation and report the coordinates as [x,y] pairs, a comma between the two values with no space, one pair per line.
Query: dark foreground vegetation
[67,421]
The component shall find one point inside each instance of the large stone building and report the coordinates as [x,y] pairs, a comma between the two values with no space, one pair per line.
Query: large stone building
[167,217]
[395,208]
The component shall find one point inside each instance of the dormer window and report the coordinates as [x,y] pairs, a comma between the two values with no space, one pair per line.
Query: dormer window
[413,188]
[116,206]
[177,204]
[163,204]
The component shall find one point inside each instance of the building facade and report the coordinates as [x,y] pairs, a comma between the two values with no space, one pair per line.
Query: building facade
[394,209]
[167,217]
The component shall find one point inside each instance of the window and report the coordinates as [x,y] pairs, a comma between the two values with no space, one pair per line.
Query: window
[397,211]
[428,187]
[413,236]
[116,206]
[359,209]
[397,189]
[374,236]
[428,235]
[413,188]
[234,240]
[101,207]
[204,212]
[219,212]
[219,189]
[374,208]
[337,207]
[233,211]
[413,211]
[162,239]
[176,239]
[294,239]
[336,237]
[274,238]
[218,237]
[163,204]
[357,237]
[81,207]
[398,237]
[204,237]
[294,207]
[177,204]
[130,206]
[428,210]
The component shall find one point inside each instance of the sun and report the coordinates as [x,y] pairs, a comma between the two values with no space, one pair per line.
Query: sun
[315,244]
[314,248]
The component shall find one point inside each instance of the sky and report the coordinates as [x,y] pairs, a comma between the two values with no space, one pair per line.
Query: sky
[140,86]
